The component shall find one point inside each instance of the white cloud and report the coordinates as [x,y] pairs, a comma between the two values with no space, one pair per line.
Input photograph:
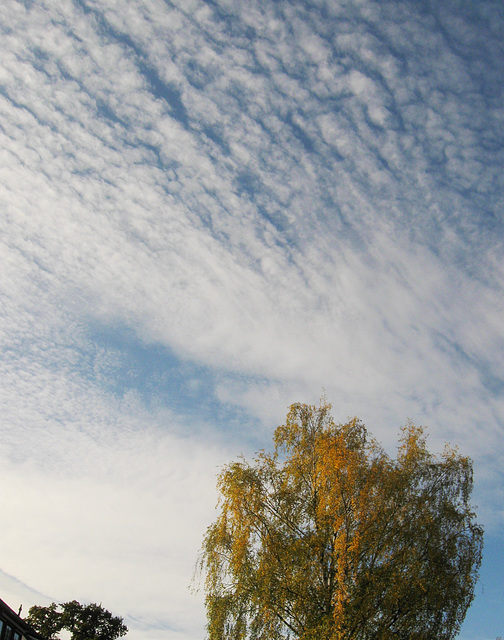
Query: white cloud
[291,202]
[110,509]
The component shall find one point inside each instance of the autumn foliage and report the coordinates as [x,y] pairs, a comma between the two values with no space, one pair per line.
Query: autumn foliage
[328,538]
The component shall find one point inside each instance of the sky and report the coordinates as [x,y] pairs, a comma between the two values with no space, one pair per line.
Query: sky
[209,210]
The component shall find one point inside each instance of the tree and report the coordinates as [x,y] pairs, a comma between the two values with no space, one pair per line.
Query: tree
[85,622]
[328,538]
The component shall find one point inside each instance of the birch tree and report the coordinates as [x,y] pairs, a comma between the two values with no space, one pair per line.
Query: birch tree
[329,538]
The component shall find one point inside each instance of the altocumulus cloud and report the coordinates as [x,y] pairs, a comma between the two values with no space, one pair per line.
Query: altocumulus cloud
[210,210]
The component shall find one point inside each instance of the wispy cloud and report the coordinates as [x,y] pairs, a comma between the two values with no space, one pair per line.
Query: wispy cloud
[210,210]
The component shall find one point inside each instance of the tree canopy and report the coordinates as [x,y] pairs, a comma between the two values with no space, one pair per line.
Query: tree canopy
[328,538]
[85,622]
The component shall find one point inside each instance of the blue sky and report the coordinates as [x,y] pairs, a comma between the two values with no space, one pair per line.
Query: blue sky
[210,210]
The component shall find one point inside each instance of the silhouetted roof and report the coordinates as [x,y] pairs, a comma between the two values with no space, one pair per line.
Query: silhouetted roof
[17,623]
